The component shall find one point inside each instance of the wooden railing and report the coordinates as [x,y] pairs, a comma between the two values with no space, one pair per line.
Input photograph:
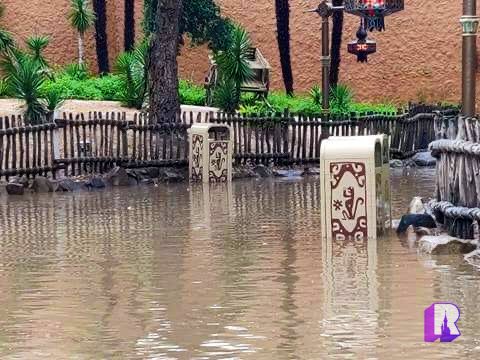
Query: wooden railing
[96,142]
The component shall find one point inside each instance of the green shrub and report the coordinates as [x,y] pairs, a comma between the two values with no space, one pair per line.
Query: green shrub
[77,71]
[191,94]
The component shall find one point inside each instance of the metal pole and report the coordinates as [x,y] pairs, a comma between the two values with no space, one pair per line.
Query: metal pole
[325,64]
[469,22]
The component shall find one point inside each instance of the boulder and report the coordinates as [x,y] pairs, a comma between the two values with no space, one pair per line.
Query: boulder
[95,182]
[315,171]
[15,189]
[243,172]
[171,175]
[117,177]
[445,245]
[396,163]
[263,171]
[42,185]
[424,159]
[66,184]
[19,180]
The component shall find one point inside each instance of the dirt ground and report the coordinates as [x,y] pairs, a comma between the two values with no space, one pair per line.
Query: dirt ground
[14,107]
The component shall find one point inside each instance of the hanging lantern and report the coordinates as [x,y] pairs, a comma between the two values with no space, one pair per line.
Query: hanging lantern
[373,11]
[362,47]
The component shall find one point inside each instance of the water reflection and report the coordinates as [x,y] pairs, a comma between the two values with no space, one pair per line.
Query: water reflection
[215,272]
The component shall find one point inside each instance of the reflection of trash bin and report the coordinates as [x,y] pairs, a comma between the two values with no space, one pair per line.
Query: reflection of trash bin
[355,184]
[210,153]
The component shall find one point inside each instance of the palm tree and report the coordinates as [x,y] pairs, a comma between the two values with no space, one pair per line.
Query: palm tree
[337,30]
[233,65]
[101,40]
[82,18]
[129,25]
[282,11]
[162,62]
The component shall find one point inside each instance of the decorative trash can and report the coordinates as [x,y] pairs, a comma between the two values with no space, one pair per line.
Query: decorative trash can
[211,149]
[355,184]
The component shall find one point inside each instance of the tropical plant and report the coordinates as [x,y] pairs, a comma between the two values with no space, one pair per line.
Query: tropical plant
[25,77]
[131,67]
[341,97]
[129,25]
[36,44]
[282,11]
[233,64]
[53,99]
[101,40]
[337,31]
[225,96]
[76,71]
[316,95]
[81,17]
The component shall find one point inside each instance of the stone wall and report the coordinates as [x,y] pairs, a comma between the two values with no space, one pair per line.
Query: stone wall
[418,56]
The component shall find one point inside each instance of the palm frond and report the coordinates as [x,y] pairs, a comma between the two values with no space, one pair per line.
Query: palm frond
[36,44]
[6,41]
[81,15]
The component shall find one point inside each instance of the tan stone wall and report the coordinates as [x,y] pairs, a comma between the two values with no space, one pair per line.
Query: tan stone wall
[418,56]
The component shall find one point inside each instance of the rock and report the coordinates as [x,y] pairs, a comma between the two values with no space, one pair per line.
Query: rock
[23,180]
[117,177]
[288,173]
[396,163]
[415,220]
[263,171]
[311,171]
[243,172]
[15,189]
[66,184]
[42,185]
[95,182]
[151,172]
[171,175]
[445,245]
[424,159]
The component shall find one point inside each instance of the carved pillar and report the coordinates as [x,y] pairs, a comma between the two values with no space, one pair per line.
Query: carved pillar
[469,22]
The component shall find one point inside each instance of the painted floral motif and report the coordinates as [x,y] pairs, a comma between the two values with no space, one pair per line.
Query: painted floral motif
[349,200]
[218,171]
[197,157]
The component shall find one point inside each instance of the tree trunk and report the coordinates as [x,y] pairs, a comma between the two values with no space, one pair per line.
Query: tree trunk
[162,64]
[81,51]
[337,30]
[282,11]
[101,40]
[129,25]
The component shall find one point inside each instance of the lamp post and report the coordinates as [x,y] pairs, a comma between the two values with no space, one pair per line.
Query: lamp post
[469,22]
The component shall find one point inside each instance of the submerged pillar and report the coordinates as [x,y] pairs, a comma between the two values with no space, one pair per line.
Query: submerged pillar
[469,22]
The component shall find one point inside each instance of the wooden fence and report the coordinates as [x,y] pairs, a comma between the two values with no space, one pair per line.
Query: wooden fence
[96,142]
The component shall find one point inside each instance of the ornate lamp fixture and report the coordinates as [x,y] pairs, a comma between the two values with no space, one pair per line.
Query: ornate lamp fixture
[363,46]
[373,11]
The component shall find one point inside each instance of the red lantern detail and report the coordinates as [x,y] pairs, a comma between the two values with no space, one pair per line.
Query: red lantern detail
[373,11]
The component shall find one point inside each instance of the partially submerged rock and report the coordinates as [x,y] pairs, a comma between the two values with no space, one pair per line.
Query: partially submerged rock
[288,173]
[67,185]
[42,185]
[396,163]
[171,175]
[95,182]
[15,189]
[117,177]
[445,245]
[311,171]
[473,258]
[263,171]
[424,158]
[243,172]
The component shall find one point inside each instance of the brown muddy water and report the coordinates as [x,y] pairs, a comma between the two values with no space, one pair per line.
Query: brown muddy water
[190,273]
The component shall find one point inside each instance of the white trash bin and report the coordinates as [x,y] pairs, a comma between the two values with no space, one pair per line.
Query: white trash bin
[211,149]
[355,185]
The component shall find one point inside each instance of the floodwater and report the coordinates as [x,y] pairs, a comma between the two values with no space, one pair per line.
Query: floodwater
[218,273]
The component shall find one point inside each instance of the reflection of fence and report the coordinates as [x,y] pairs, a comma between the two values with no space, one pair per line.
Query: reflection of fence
[97,142]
